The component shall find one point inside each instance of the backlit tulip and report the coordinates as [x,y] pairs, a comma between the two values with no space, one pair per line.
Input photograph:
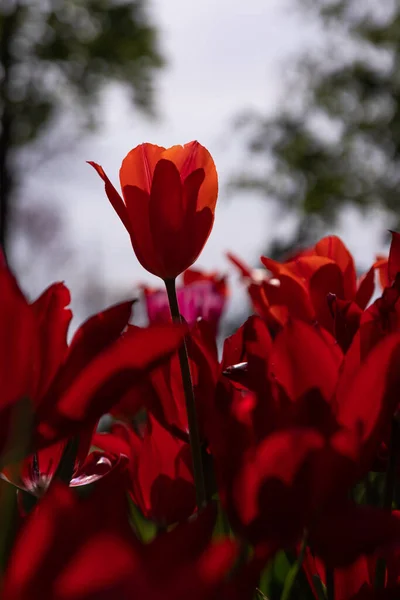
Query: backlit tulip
[169,198]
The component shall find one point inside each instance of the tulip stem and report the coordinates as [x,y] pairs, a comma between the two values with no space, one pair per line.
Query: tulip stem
[388,492]
[194,435]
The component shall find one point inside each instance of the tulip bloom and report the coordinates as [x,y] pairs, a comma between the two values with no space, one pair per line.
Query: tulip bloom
[318,284]
[304,418]
[202,296]
[63,388]
[74,548]
[161,479]
[169,198]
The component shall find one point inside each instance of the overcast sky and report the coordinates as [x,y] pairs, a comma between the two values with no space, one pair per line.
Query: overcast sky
[223,56]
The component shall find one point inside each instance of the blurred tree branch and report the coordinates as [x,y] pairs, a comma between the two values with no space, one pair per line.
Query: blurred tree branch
[58,56]
[334,141]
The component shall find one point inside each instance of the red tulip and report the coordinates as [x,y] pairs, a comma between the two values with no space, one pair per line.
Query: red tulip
[66,388]
[201,296]
[169,198]
[161,479]
[318,284]
[289,448]
[84,549]
[161,390]
[35,473]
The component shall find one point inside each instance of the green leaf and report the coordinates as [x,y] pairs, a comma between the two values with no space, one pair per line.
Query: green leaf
[145,530]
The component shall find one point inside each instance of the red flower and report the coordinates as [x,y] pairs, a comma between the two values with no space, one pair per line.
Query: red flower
[63,389]
[201,296]
[34,474]
[84,549]
[348,581]
[162,392]
[316,285]
[298,432]
[168,206]
[161,478]
[383,316]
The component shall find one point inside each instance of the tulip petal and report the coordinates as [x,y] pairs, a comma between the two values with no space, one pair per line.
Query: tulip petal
[302,362]
[332,247]
[368,402]
[137,203]
[89,396]
[365,289]
[138,166]
[347,531]
[92,337]
[113,196]
[194,156]
[53,319]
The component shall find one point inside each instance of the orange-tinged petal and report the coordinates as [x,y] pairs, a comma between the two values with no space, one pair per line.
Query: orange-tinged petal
[291,293]
[170,198]
[305,266]
[194,156]
[301,268]
[382,266]
[138,166]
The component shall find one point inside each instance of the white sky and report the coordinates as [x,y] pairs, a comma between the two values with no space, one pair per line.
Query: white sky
[223,56]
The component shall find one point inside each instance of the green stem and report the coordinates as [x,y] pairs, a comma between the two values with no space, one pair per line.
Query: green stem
[388,492]
[294,571]
[66,466]
[194,435]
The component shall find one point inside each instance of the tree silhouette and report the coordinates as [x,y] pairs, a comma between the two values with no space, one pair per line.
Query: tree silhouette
[57,55]
[335,139]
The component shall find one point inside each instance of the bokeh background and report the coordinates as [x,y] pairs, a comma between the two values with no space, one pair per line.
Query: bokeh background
[297,100]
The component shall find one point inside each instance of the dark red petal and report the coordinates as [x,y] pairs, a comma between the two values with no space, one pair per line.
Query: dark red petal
[169,218]
[332,247]
[191,187]
[64,547]
[366,289]
[270,497]
[166,207]
[302,361]
[368,402]
[92,337]
[92,394]
[113,196]
[341,535]
[327,280]
[19,349]
[137,203]
[53,320]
